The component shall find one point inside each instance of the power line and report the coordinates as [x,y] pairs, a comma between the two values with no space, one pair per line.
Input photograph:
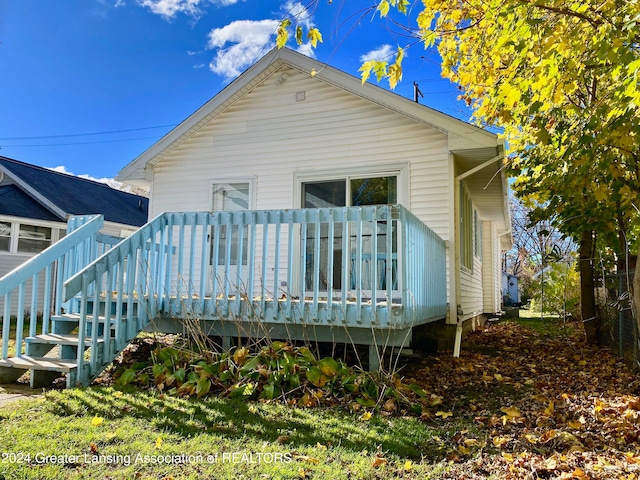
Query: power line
[42,137]
[77,143]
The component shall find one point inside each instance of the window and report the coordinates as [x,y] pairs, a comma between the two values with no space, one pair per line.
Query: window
[466,229]
[477,234]
[347,192]
[33,239]
[231,197]
[5,236]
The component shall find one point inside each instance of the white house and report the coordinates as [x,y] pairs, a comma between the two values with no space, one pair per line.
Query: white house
[292,133]
[296,204]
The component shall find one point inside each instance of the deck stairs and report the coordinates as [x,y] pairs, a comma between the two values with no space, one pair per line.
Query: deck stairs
[77,337]
[71,309]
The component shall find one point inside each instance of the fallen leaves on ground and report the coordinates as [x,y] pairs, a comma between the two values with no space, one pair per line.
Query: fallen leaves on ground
[541,406]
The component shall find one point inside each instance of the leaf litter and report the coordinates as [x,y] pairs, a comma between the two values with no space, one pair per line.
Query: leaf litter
[541,406]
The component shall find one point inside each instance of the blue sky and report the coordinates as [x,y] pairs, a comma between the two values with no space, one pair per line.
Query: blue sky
[71,71]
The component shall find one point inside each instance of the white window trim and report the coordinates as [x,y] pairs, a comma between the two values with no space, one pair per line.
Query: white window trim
[401,171]
[252,181]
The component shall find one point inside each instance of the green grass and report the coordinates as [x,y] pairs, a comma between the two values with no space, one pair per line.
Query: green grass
[269,440]
[546,324]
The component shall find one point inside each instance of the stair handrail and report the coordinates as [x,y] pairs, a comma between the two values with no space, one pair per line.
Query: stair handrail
[73,285]
[35,264]
[30,270]
[121,271]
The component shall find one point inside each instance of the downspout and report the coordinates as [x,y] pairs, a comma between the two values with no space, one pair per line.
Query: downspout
[453,222]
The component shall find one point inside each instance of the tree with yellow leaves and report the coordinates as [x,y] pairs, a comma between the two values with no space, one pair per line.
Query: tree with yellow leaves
[560,78]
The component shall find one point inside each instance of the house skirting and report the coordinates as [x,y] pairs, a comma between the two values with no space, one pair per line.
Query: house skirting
[437,336]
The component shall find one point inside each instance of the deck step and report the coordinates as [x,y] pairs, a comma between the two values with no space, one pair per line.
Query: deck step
[40,363]
[59,339]
[75,317]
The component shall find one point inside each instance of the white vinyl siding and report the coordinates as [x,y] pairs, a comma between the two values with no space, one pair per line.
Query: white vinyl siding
[271,135]
[278,140]
[491,267]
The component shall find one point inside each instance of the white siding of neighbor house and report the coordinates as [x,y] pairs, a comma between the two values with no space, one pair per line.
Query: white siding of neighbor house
[11,260]
[491,275]
[278,141]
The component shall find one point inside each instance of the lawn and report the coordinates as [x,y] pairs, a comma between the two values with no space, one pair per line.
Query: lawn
[524,400]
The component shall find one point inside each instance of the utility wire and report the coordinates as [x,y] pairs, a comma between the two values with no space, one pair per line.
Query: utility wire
[42,137]
[77,143]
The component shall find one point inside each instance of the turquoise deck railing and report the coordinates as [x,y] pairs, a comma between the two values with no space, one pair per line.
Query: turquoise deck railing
[344,266]
[32,293]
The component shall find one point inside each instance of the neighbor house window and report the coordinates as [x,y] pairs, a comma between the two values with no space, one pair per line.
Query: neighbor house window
[33,239]
[5,236]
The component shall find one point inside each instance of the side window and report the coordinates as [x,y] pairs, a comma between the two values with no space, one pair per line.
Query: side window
[466,229]
[231,197]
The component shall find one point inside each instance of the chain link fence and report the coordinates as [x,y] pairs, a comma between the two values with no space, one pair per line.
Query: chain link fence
[618,329]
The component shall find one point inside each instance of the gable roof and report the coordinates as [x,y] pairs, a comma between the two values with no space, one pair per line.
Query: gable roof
[44,194]
[463,137]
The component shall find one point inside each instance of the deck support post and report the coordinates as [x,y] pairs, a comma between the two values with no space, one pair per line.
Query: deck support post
[226,343]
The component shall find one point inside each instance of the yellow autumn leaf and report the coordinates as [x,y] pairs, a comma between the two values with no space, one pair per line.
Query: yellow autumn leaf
[576,425]
[158,442]
[444,414]
[365,416]
[314,36]
[97,421]
[408,466]
[379,460]
[306,458]
[501,440]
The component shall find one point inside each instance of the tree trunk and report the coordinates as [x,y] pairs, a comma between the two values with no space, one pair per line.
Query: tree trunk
[587,292]
[635,296]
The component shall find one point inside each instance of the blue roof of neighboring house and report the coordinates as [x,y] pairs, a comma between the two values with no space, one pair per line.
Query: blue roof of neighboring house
[16,203]
[66,193]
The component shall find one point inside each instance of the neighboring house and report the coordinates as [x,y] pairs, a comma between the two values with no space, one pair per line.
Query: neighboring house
[36,202]
[510,290]
[298,204]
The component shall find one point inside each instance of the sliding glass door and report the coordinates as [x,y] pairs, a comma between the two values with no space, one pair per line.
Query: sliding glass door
[329,271]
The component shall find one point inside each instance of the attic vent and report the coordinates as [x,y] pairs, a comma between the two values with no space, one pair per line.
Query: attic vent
[300,96]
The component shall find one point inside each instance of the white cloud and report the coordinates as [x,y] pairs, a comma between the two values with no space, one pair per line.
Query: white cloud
[119,3]
[108,181]
[170,8]
[382,53]
[299,12]
[239,44]
[249,39]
